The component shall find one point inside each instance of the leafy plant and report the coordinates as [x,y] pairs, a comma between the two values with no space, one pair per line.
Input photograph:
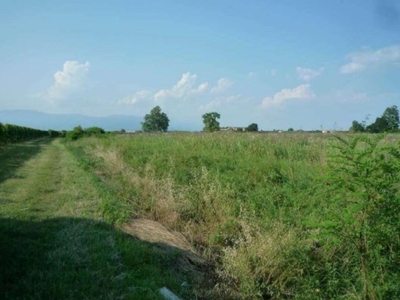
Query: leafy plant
[363,179]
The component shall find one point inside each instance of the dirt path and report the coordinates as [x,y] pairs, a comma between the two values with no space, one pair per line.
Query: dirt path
[54,244]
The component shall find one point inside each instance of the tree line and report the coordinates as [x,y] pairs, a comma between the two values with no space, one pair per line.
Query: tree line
[388,122]
[14,134]
[157,120]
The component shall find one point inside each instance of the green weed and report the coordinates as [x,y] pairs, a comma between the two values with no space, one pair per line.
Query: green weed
[279,215]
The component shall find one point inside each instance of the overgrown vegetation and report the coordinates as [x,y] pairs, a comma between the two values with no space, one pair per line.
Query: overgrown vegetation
[280,215]
[14,134]
[78,132]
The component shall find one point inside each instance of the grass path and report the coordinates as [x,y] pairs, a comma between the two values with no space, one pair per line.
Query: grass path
[54,244]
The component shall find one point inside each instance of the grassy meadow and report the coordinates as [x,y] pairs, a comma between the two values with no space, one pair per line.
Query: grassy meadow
[296,216]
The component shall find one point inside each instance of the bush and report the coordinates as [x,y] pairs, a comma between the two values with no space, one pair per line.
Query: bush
[94,131]
[362,233]
[252,127]
[75,134]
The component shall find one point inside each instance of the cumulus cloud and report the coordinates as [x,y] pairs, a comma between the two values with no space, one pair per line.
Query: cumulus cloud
[301,92]
[222,85]
[138,96]
[360,61]
[219,101]
[308,74]
[67,81]
[185,87]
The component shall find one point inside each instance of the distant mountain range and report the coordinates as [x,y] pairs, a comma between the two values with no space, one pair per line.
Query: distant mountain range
[45,121]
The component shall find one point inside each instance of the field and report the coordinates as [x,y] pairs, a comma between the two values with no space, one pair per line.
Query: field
[279,215]
[274,216]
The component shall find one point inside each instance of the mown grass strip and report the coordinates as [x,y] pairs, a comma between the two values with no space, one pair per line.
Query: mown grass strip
[55,244]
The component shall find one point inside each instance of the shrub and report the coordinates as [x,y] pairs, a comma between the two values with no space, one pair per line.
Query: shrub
[94,131]
[362,231]
[75,134]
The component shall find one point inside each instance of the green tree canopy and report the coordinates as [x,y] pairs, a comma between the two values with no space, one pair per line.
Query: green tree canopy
[94,131]
[391,115]
[388,122]
[155,121]
[252,127]
[210,121]
[357,127]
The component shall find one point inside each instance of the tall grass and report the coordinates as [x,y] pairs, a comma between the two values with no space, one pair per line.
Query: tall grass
[246,201]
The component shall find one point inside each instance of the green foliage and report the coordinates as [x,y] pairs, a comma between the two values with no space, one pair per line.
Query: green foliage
[257,207]
[14,134]
[380,125]
[363,228]
[391,115]
[357,127]
[2,134]
[55,245]
[75,134]
[94,131]
[252,127]
[290,129]
[155,121]
[388,122]
[210,121]
[78,133]
[54,133]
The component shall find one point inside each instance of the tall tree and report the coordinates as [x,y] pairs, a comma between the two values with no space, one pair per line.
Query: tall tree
[380,125]
[252,127]
[391,115]
[210,121]
[389,122]
[357,127]
[155,121]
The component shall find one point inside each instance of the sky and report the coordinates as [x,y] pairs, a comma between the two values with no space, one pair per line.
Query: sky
[307,65]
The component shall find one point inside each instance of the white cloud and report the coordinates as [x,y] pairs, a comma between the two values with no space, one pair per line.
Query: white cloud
[301,92]
[218,101]
[202,95]
[67,81]
[360,61]
[222,85]
[183,88]
[308,74]
[135,98]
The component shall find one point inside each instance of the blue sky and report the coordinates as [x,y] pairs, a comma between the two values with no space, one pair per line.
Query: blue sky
[304,64]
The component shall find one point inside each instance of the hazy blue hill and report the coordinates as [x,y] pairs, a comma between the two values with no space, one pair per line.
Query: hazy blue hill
[39,120]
